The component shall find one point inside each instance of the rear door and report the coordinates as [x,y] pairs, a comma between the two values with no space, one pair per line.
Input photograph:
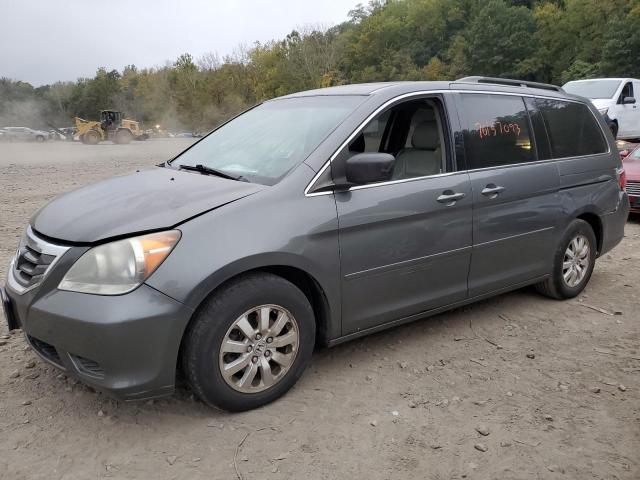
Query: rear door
[515,193]
[405,244]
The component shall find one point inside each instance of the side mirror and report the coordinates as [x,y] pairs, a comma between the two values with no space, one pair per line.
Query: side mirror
[369,168]
[628,100]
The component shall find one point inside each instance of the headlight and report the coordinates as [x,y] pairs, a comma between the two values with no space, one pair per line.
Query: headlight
[119,267]
[603,111]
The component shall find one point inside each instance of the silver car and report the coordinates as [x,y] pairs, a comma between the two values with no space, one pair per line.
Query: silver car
[24,134]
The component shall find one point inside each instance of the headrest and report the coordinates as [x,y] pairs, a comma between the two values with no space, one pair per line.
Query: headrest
[425,136]
[424,115]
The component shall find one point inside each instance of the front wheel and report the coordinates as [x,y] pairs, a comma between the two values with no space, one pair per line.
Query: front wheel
[249,342]
[573,262]
[123,137]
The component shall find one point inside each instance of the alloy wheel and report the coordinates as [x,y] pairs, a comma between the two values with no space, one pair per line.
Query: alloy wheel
[259,348]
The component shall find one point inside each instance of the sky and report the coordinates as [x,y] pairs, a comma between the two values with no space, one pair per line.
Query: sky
[44,41]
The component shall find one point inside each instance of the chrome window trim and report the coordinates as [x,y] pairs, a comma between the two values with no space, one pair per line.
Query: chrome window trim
[41,246]
[422,93]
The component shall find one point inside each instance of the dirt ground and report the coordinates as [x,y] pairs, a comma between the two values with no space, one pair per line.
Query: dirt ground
[556,385]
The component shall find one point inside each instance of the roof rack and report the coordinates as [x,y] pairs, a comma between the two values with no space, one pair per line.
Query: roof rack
[510,82]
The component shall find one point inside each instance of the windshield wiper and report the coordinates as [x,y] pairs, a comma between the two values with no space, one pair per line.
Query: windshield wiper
[211,171]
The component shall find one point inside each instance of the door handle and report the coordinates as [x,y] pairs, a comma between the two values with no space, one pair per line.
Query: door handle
[492,191]
[449,197]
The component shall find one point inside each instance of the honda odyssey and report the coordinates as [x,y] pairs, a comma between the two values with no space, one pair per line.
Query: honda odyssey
[313,219]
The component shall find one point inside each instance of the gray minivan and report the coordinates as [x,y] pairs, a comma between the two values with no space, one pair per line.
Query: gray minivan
[313,219]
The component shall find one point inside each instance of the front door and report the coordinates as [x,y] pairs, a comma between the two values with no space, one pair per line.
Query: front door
[405,245]
[627,113]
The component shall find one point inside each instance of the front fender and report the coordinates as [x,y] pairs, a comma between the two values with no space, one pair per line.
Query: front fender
[275,230]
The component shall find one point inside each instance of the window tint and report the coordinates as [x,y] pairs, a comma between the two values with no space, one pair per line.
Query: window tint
[496,131]
[539,130]
[572,128]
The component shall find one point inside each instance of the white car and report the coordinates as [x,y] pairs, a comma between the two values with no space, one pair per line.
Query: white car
[614,97]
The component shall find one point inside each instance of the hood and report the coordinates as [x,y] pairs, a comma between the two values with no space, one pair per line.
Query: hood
[631,167]
[148,200]
[602,103]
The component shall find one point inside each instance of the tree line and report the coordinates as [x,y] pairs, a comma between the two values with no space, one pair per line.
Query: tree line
[550,41]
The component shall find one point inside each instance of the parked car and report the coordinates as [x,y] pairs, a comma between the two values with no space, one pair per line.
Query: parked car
[24,134]
[614,97]
[314,219]
[632,169]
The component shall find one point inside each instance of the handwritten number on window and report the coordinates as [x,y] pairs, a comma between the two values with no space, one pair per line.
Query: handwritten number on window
[498,128]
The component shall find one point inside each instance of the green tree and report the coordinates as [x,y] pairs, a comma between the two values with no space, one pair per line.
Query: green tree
[500,41]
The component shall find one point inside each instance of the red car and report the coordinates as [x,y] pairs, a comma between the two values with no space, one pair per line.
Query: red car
[624,147]
[632,170]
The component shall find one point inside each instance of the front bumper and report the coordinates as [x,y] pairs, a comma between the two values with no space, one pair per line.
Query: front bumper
[126,346]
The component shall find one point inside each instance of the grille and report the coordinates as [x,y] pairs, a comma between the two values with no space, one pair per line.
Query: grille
[633,188]
[32,261]
[31,266]
[88,366]
[47,351]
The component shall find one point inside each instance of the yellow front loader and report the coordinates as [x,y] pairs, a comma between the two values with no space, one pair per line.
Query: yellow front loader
[110,127]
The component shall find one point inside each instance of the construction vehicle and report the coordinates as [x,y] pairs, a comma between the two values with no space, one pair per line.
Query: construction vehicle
[110,127]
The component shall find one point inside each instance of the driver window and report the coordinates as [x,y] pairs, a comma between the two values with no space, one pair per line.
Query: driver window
[412,132]
[627,91]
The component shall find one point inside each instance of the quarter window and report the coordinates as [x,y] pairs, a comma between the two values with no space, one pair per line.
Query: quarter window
[497,130]
[571,127]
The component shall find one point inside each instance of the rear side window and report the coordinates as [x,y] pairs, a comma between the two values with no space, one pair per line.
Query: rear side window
[496,130]
[571,127]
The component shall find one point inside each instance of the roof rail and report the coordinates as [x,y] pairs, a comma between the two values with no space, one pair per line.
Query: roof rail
[510,82]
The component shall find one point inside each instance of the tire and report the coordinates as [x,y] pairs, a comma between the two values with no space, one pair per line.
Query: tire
[289,316]
[91,138]
[39,138]
[556,286]
[123,137]
[613,126]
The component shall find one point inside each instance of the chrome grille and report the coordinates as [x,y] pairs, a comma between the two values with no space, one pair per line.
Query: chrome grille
[32,262]
[633,187]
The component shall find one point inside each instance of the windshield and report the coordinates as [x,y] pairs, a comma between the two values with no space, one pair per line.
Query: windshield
[593,88]
[266,142]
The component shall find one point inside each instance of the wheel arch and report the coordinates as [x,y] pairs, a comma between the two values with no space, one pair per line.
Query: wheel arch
[595,222]
[300,277]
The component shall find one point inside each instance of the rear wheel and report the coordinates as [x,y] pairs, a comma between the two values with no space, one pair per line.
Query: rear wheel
[39,138]
[613,126]
[249,342]
[91,138]
[573,262]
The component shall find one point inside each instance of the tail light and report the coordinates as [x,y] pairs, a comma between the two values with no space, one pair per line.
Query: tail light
[622,178]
